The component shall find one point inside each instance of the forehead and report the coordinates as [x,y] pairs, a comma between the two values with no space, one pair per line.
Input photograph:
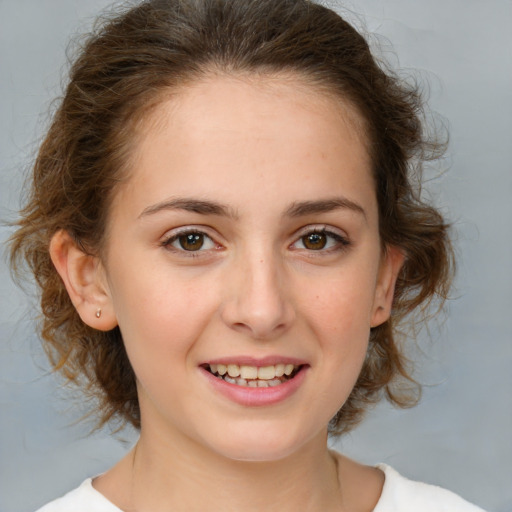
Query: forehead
[225,133]
[256,100]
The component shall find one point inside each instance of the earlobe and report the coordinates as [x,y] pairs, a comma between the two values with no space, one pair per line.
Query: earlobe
[84,278]
[392,262]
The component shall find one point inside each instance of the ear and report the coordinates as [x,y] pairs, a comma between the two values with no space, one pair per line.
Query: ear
[85,281]
[392,261]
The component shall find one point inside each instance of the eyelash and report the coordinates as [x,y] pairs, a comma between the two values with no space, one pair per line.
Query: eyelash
[169,241]
[340,242]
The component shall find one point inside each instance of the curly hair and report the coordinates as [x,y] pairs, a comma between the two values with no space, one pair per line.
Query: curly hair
[121,71]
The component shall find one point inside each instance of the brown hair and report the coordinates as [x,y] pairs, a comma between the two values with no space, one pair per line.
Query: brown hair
[120,72]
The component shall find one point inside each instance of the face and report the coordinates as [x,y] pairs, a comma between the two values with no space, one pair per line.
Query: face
[244,267]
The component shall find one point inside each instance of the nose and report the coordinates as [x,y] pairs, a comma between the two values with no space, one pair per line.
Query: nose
[258,299]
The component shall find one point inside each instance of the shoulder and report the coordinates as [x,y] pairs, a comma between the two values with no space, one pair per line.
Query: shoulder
[400,494]
[84,498]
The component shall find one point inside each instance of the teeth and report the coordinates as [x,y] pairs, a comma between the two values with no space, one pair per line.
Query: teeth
[233,370]
[253,376]
[249,372]
[267,372]
[279,370]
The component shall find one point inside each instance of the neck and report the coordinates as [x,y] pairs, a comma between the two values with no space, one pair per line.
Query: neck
[165,475]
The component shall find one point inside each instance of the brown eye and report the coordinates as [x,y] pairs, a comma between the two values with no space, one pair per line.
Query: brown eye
[191,241]
[323,241]
[315,241]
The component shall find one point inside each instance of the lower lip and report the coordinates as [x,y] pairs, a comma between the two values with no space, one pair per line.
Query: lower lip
[253,397]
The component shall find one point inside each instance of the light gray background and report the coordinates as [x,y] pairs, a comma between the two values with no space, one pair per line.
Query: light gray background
[460,435]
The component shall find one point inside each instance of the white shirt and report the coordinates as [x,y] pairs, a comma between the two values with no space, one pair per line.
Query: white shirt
[398,495]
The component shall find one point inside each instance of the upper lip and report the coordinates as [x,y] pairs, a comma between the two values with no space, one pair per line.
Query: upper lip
[270,360]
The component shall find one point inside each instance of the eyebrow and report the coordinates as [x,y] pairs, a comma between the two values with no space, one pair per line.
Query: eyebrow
[199,206]
[299,209]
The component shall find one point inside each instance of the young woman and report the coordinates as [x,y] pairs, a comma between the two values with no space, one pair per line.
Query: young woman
[225,230]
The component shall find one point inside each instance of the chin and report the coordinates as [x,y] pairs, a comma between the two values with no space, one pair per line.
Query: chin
[260,445]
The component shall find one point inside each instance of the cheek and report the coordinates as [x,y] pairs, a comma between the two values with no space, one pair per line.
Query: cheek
[342,329]
[339,316]
[342,306]
[161,322]
[159,315]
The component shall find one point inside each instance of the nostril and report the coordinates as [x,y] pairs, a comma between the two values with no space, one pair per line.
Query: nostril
[241,327]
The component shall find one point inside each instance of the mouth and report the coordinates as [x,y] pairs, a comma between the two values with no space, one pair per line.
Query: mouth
[254,376]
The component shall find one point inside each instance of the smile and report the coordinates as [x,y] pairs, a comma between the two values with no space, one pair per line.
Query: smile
[254,376]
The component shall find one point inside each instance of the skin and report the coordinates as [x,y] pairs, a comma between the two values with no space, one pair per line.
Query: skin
[258,147]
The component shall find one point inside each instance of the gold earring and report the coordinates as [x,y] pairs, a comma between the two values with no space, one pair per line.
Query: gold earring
[98,312]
